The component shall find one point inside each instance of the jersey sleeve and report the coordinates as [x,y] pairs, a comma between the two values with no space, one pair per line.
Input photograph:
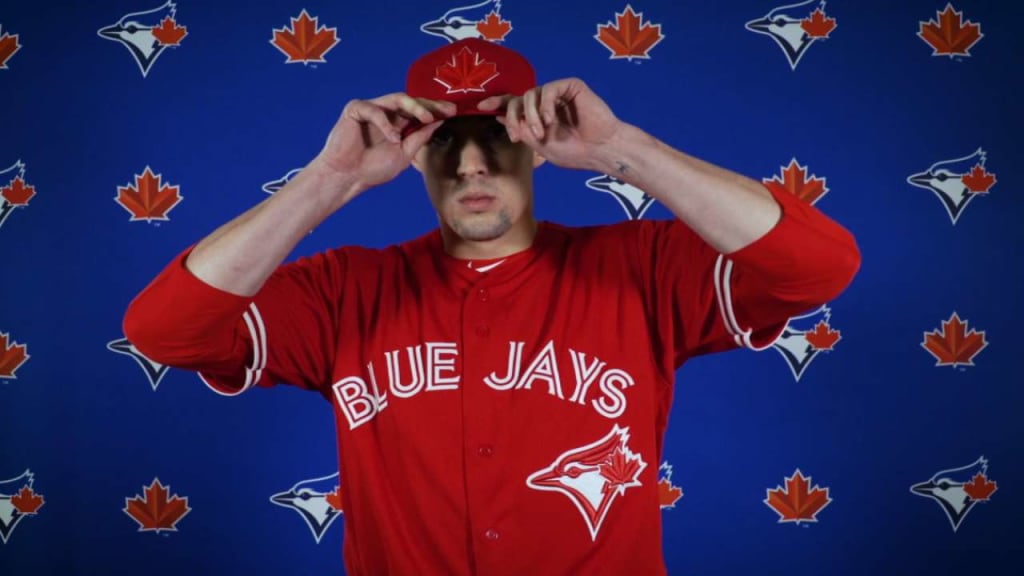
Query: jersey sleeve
[703,301]
[284,334]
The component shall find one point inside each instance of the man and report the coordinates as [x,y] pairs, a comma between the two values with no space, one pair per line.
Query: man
[500,385]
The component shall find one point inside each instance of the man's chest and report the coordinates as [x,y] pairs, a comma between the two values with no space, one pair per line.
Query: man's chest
[552,345]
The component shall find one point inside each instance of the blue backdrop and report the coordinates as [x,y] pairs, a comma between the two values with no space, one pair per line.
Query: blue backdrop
[900,402]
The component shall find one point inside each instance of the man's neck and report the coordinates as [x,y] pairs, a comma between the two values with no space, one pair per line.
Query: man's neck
[517,239]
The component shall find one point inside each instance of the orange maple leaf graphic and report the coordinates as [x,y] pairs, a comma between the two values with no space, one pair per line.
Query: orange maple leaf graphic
[305,41]
[156,511]
[334,499]
[817,25]
[949,35]
[795,181]
[668,494]
[8,46]
[798,502]
[823,337]
[466,72]
[12,356]
[493,27]
[953,345]
[17,192]
[979,180]
[148,199]
[27,501]
[630,37]
[169,33]
[980,487]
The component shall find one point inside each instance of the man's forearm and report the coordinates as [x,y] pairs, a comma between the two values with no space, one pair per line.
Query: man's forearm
[239,256]
[727,209]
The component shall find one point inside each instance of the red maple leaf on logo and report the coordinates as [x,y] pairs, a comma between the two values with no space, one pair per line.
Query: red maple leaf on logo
[817,25]
[334,499]
[8,46]
[466,72]
[953,345]
[305,40]
[823,337]
[12,356]
[668,494]
[27,501]
[17,192]
[169,33]
[979,180]
[619,470]
[493,27]
[630,37]
[980,487]
[798,502]
[795,181]
[156,511]
[949,35]
[148,199]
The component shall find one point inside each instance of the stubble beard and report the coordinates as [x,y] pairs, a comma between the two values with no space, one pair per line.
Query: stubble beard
[483,227]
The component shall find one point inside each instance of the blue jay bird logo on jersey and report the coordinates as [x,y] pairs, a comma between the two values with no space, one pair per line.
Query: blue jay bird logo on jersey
[956,182]
[154,370]
[18,500]
[317,501]
[632,199]
[958,490]
[804,338]
[14,191]
[482,20]
[795,27]
[147,34]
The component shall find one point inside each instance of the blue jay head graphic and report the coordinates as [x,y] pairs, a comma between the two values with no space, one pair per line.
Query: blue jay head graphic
[784,26]
[947,489]
[945,180]
[459,23]
[135,32]
[10,516]
[792,344]
[275,185]
[632,199]
[309,499]
[11,172]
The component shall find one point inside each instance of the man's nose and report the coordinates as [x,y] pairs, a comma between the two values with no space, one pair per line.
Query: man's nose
[472,160]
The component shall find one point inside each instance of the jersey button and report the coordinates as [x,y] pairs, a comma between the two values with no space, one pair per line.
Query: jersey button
[492,534]
[482,294]
[482,331]
[485,450]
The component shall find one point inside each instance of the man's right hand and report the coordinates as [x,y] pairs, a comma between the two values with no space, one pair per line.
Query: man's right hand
[365,146]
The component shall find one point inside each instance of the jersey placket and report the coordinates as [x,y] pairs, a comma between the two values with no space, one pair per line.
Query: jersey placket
[480,420]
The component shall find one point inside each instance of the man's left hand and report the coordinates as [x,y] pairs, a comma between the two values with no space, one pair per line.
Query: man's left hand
[563,121]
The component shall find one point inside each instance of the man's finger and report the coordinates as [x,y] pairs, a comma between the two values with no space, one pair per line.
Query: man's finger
[532,115]
[412,143]
[363,112]
[494,102]
[512,116]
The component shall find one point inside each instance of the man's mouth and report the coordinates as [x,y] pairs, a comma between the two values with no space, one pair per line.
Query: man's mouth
[476,202]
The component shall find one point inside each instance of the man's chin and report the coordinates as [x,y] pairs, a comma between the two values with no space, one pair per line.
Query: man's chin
[481,227]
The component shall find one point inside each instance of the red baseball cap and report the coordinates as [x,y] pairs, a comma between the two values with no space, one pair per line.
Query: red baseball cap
[466,72]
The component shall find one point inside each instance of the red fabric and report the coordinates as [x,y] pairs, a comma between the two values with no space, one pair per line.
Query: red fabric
[466,72]
[449,464]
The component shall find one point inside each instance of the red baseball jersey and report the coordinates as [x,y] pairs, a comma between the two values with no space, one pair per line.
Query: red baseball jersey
[506,420]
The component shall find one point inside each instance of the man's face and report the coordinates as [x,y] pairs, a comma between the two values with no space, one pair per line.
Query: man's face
[480,183]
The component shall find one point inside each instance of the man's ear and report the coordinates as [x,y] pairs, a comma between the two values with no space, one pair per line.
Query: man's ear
[538,159]
[417,161]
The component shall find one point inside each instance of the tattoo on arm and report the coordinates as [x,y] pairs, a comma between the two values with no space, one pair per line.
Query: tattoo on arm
[622,167]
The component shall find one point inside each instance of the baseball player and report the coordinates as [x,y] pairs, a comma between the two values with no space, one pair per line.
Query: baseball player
[501,385]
